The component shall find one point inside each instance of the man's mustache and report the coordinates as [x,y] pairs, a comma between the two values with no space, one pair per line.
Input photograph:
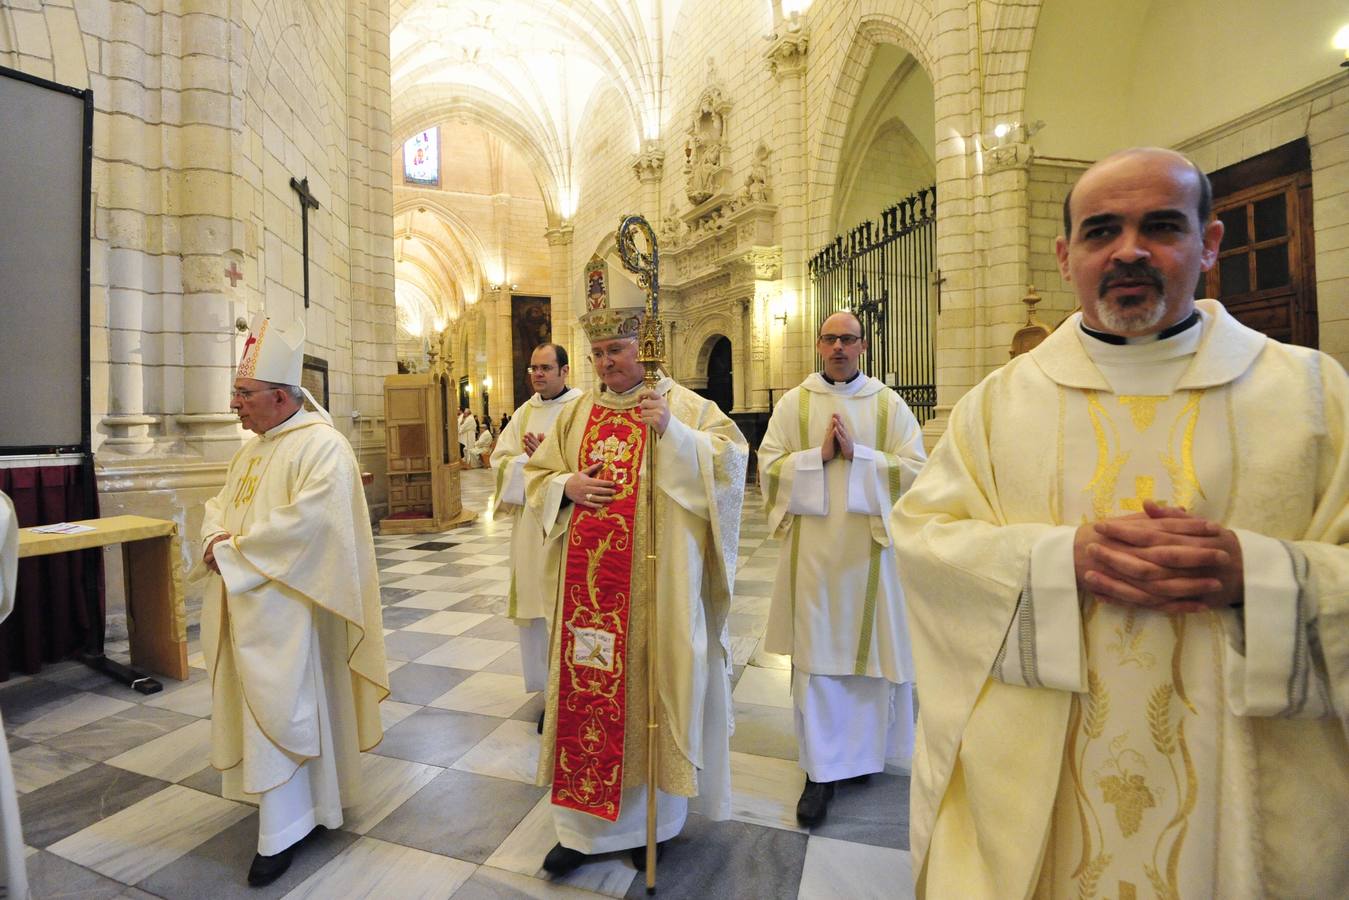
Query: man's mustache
[1140,271]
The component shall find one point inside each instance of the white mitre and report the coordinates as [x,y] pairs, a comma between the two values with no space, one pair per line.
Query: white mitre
[273,352]
[614,305]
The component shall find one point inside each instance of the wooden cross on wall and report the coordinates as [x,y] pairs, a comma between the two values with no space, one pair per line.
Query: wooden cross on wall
[307,202]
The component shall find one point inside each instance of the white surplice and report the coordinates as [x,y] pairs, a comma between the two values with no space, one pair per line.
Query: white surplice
[838,607]
[533,570]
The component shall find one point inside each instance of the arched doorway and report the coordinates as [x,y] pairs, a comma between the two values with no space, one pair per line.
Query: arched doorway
[720,379]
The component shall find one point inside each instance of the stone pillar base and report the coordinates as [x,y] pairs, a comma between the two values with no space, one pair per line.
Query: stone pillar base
[215,436]
[935,427]
[129,435]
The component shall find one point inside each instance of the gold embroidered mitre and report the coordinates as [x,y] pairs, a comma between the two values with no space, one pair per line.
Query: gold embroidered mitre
[615,306]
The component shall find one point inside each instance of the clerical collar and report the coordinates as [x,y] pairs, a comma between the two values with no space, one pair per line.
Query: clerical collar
[855,375]
[1162,335]
[555,396]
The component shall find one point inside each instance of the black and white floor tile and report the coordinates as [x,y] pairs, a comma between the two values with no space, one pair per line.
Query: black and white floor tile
[118,801]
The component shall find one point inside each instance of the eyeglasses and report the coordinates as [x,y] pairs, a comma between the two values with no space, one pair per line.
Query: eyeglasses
[542,370]
[846,340]
[237,394]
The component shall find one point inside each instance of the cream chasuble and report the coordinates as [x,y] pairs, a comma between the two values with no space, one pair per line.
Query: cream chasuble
[1072,747]
[838,608]
[700,473]
[301,551]
[533,582]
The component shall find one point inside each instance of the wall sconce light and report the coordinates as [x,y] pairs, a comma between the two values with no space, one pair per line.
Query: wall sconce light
[777,310]
[1015,132]
[494,287]
[468,389]
[1341,42]
[487,382]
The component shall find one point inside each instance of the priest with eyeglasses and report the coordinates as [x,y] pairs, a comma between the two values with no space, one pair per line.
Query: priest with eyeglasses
[839,451]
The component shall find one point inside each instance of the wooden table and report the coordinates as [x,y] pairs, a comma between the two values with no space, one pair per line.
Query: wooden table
[155,613]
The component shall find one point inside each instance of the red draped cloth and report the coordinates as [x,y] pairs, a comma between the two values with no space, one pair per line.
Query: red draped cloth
[52,619]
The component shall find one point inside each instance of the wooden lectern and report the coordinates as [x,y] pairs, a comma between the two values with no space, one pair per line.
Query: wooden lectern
[423,454]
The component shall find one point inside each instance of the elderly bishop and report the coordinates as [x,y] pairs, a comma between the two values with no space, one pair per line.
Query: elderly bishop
[587,486]
[291,625]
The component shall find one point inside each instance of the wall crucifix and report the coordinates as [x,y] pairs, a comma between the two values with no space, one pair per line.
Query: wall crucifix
[307,202]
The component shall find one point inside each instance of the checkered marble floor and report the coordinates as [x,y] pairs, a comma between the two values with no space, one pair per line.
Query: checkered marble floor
[117,798]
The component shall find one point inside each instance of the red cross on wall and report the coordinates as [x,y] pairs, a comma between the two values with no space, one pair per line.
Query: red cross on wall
[233,274]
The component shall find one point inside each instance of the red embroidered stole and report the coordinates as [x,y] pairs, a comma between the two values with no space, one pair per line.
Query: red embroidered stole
[592,688]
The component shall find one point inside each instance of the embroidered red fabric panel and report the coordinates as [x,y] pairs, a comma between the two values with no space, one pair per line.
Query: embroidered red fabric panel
[597,578]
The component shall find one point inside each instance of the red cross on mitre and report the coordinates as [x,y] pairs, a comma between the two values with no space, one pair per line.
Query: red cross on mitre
[247,364]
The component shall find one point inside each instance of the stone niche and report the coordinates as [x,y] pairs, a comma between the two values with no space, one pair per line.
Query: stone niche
[701,241]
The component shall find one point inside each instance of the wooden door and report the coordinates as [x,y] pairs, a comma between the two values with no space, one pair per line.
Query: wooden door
[1266,274]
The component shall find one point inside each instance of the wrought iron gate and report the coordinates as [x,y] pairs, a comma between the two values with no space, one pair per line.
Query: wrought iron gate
[883,275]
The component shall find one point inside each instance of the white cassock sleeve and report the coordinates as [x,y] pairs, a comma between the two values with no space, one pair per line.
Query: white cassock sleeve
[1043,646]
[513,485]
[1268,657]
[865,490]
[810,489]
[677,467]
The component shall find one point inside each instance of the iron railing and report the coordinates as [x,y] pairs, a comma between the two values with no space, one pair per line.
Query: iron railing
[883,275]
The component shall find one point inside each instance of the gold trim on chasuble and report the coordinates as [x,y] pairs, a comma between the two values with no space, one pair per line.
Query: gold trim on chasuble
[874,563]
[595,616]
[1122,778]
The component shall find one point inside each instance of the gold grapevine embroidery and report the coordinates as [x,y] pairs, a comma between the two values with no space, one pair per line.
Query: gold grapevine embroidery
[1142,409]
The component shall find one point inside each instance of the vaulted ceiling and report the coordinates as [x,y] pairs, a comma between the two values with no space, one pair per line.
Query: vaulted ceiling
[525,70]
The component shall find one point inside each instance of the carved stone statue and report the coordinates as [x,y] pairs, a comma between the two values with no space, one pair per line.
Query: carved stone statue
[756,182]
[705,141]
[672,228]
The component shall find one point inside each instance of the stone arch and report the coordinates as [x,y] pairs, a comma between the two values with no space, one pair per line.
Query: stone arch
[421,107]
[909,29]
[613,42]
[912,155]
[472,244]
[703,334]
[709,339]
[1007,58]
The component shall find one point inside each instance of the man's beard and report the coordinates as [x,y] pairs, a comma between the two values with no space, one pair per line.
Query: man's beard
[1138,315]
[1132,319]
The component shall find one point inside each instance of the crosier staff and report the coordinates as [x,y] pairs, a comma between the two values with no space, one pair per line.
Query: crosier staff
[651,354]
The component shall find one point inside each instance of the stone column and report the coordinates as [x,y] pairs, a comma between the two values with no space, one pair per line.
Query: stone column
[786,59]
[499,314]
[126,424]
[740,354]
[649,166]
[216,270]
[562,277]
